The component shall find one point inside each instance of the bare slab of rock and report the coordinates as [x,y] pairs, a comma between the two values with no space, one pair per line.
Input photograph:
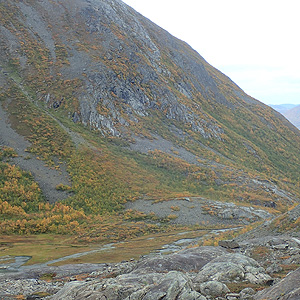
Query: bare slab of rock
[202,273]
[287,289]
[198,210]
[190,260]
[213,288]
[230,244]
[233,267]
[173,285]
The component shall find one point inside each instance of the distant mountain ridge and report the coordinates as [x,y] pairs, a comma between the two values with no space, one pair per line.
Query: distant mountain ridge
[290,111]
[282,108]
[293,115]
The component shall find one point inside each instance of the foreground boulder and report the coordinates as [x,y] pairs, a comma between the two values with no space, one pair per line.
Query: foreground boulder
[213,288]
[233,267]
[201,273]
[287,289]
[189,260]
[173,285]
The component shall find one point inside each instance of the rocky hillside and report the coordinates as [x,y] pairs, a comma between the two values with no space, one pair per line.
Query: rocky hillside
[111,128]
[113,83]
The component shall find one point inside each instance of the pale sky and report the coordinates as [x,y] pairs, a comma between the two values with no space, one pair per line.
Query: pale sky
[254,42]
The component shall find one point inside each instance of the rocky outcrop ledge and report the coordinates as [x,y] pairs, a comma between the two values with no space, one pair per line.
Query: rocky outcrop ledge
[196,273]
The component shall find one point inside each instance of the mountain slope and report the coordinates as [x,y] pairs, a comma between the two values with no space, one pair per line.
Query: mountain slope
[154,118]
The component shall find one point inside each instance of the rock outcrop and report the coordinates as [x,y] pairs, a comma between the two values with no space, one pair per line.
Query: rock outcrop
[233,267]
[203,273]
[286,289]
[101,64]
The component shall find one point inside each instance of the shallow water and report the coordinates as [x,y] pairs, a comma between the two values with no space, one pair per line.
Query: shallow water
[16,263]
[12,263]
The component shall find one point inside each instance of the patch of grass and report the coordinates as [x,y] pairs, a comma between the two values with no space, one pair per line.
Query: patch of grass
[285,269]
[46,247]
[41,294]
[172,217]
[236,287]
[41,248]
[213,239]
[6,152]
[175,208]
[47,277]
[134,248]
[260,253]
[63,187]
[48,139]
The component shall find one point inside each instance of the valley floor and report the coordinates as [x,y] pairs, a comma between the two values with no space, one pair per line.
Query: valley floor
[236,271]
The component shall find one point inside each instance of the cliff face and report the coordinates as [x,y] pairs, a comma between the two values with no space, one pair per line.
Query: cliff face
[100,64]
[127,67]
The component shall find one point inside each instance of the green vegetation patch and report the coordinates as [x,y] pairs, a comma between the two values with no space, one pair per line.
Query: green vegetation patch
[19,193]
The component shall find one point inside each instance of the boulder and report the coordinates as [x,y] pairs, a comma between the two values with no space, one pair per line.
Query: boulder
[191,295]
[213,288]
[189,260]
[230,244]
[233,267]
[232,296]
[247,294]
[172,285]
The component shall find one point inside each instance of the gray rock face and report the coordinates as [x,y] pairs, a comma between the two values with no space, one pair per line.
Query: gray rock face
[173,285]
[190,260]
[126,77]
[233,267]
[247,294]
[230,244]
[213,288]
[286,289]
[128,70]
[27,287]
[279,250]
